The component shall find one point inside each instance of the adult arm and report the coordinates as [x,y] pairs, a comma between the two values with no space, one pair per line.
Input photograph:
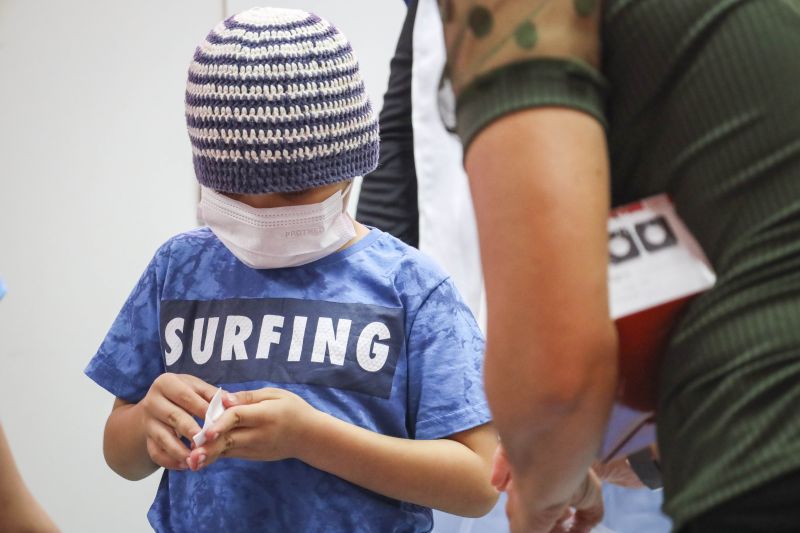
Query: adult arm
[540,182]
[551,349]
[19,510]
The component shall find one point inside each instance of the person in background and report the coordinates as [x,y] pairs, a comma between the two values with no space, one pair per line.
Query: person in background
[19,510]
[566,108]
[350,364]
[419,193]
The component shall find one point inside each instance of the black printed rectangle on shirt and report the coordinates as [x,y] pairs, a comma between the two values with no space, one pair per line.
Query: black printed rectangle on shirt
[341,345]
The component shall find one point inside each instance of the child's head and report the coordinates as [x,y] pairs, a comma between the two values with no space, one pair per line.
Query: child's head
[275,103]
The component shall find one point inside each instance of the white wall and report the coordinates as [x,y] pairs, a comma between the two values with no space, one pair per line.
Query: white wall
[95,173]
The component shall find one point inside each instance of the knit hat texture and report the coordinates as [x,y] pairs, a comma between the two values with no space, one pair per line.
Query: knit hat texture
[275,102]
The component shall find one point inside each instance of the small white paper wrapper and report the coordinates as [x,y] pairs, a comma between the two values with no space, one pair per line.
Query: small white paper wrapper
[215,410]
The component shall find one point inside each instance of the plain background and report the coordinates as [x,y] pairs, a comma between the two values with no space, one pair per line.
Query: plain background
[95,173]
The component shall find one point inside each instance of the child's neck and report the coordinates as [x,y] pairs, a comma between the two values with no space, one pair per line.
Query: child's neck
[361,232]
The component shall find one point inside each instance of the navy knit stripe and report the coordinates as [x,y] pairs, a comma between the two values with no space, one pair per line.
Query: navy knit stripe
[279,143]
[285,79]
[215,38]
[312,89]
[242,101]
[232,24]
[305,58]
[336,117]
[252,177]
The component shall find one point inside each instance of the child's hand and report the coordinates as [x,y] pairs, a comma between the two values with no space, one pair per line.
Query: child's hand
[262,425]
[166,415]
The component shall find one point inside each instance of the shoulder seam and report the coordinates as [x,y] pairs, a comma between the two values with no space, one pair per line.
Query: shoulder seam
[422,304]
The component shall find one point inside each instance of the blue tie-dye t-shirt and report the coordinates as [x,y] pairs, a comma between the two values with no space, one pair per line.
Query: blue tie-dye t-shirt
[374,334]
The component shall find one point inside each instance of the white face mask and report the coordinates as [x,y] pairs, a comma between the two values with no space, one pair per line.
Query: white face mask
[277,237]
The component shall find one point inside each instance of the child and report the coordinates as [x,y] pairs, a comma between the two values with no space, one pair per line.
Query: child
[350,363]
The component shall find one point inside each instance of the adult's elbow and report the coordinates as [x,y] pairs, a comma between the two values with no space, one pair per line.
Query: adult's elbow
[554,378]
[589,369]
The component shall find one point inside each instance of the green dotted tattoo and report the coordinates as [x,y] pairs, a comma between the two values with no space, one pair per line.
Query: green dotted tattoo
[526,35]
[480,21]
[585,7]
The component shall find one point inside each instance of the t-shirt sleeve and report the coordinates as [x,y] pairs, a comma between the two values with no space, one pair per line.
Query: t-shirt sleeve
[129,359]
[445,360]
[520,54]
[540,82]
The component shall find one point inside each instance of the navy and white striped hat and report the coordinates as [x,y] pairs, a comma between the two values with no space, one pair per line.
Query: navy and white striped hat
[275,103]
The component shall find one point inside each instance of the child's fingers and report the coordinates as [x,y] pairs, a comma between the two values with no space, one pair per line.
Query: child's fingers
[165,439]
[184,395]
[236,417]
[247,397]
[209,452]
[206,390]
[240,443]
[162,458]
[163,410]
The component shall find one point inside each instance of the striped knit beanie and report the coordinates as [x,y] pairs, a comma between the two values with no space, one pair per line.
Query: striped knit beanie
[275,103]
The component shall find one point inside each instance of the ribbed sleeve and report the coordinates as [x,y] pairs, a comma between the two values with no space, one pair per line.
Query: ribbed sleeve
[541,82]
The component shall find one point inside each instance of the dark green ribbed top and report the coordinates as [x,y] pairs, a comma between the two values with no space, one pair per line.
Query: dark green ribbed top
[703,102]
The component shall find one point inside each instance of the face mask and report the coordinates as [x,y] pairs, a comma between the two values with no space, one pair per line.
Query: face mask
[278,237]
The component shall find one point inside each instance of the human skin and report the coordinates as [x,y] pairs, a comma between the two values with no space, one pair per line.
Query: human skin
[19,510]
[551,367]
[540,185]
[274,424]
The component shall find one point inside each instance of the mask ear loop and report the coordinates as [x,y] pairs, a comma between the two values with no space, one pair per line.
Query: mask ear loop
[346,198]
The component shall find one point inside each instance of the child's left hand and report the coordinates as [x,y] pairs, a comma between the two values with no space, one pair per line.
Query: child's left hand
[262,425]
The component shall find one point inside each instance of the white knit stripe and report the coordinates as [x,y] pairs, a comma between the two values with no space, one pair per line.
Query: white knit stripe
[255,115]
[267,93]
[285,155]
[281,136]
[283,71]
[268,34]
[260,101]
[333,44]
[270,15]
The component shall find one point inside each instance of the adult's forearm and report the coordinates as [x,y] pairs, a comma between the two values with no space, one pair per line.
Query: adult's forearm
[551,438]
[124,443]
[443,474]
[19,510]
[540,187]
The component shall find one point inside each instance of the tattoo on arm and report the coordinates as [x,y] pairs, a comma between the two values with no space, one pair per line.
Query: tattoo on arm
[482,35]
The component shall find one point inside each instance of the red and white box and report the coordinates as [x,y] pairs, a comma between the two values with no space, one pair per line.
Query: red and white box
[655,268]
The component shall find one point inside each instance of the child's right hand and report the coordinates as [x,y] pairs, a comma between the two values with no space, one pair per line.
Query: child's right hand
[167,411]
